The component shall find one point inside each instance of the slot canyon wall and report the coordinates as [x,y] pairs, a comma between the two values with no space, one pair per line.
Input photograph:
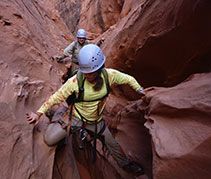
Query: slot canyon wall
[165,45]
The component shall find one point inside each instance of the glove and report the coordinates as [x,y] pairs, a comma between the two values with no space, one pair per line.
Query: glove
[68,65]
[141,91]
[59,59]
[99,43]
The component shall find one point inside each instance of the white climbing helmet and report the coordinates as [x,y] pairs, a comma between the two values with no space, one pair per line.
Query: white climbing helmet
[91,58]
[81,33]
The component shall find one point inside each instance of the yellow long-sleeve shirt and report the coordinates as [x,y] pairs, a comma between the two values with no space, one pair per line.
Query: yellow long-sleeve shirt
[91,111]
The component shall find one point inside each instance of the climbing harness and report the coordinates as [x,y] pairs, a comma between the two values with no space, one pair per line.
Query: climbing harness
[84,137]
[83,133]
[57,130]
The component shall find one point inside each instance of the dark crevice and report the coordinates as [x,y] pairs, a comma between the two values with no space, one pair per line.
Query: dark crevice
[100,17]
[70,13]
[7,22]
[19,16]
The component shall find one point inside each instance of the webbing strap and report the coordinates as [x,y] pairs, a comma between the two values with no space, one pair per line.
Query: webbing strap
[105,74]
[81,80]
[98,133]
[84,119]
[94,136]
[80,98]
[95,144]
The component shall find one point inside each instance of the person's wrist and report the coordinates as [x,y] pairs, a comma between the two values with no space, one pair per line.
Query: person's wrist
[38,114]
[141,91]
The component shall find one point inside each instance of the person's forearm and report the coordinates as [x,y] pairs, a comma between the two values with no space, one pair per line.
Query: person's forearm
[53,100]
[69,49]
[58,97]
[39,114]
[117,77]
[63,56]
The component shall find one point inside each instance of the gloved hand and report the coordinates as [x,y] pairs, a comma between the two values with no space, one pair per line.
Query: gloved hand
[102,40]
[59,59]
[99,43]
[68,65]
[141,91]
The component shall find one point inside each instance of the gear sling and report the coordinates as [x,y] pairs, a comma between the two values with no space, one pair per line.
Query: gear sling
[82,131]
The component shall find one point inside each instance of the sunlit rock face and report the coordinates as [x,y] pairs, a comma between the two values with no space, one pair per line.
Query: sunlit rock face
[179,121]
[159,42]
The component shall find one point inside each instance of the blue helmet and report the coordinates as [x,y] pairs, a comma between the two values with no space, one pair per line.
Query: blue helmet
[81,33]
[90,58]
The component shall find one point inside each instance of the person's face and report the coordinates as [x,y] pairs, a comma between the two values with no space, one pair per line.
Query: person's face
[91,77]
[81,40]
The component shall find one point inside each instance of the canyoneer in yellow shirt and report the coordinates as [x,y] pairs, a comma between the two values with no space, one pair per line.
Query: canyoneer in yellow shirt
[88,111]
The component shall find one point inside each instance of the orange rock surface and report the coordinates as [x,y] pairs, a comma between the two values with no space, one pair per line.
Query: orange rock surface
[164,44]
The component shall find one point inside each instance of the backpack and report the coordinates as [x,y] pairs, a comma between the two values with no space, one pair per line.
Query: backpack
[73,98]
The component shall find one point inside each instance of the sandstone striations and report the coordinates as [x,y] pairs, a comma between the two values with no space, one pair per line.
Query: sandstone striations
[161,43]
